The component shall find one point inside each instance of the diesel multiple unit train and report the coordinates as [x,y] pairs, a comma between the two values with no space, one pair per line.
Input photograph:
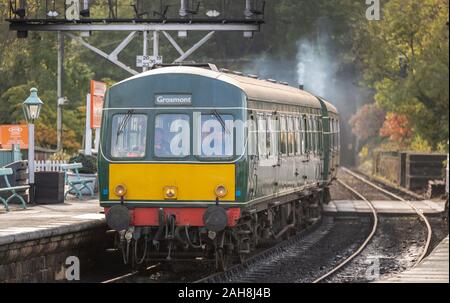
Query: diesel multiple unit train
[197,163]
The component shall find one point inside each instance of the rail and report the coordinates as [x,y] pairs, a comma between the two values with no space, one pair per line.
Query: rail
[418,211]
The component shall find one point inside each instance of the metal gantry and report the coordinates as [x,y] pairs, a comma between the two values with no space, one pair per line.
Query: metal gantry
[73,18]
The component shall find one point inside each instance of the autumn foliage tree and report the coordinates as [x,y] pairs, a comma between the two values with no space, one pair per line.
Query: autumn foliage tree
[405,58]
[397,128]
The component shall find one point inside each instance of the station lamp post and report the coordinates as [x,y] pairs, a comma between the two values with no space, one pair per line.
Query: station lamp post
[31,108]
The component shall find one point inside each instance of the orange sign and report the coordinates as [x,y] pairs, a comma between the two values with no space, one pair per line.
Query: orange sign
[98,91]
[13,134]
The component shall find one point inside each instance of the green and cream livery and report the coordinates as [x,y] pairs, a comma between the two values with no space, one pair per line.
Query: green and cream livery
[206,164]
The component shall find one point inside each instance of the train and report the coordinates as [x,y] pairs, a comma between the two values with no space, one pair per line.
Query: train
[197,163]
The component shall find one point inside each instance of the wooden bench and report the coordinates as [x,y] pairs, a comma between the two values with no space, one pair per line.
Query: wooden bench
[5,172]
[79,183]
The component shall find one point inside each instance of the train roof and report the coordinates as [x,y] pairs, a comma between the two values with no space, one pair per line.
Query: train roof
[255,89]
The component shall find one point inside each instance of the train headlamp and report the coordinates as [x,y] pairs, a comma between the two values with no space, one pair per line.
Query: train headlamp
[120,190]
[220,191]
[170,192]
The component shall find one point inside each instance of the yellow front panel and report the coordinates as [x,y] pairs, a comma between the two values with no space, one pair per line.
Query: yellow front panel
[194,182]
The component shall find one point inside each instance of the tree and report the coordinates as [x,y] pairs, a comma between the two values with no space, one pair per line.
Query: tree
[405,59]
[367,121]
[397,128]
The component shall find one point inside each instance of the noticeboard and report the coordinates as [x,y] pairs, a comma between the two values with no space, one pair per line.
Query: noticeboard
[13,134]
[98,90]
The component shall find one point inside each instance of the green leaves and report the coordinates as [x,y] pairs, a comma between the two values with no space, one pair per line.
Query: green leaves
[413,35]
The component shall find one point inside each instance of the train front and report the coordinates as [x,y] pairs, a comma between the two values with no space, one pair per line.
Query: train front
[172,164]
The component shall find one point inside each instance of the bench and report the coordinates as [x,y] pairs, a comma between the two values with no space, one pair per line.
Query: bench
[79,183]
[5,172]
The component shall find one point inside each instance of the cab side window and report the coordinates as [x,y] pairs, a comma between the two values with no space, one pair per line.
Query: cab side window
[252,137]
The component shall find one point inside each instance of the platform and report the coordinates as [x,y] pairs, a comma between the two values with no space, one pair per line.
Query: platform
[39,221]
[36,242]
[433,269]
[384,207]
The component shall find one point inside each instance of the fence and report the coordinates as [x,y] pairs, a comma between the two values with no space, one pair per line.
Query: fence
[49,165]
[409,169]
[9,156]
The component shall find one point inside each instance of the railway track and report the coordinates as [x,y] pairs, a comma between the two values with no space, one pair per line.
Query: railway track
[397,197]
[130,275]
[375,220]
[260,266]
[256,267]
[363,245]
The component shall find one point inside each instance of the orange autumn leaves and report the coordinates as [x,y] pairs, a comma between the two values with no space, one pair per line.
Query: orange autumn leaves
[371,121]
[397,128]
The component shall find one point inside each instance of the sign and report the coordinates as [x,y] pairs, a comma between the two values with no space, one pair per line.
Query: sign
[13,134]
[98,91]
[173,99]
[148,61]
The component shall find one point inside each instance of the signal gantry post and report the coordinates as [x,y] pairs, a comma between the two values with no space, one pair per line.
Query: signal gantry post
[76,20]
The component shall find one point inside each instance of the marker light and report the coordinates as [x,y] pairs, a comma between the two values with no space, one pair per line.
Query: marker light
[170,192]
[221,191]
[120,190]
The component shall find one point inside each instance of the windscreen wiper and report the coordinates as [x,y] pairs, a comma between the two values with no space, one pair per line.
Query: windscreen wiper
[124,123]
[221,121]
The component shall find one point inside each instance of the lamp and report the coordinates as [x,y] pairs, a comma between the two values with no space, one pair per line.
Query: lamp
[32,106]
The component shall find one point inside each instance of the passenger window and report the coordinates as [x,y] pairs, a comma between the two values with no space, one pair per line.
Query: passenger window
[302,136]
[291,136]
[283,135]
[316,137]
[273,135]
[338,134]
[332,143]
[311,135]
[262,137]
[298,139]
[172,136]
[319,134]
[129,136]
[306,134]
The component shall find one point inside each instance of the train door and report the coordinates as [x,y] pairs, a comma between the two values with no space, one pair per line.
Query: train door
[291,163]
[252,150]
[305,148]
[283,154]
[274,155]
[334,145]
[267,160]
[320,154]
[299,147]
[312,150]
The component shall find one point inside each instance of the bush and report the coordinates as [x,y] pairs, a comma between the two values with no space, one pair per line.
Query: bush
[61,155]
[89,163]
